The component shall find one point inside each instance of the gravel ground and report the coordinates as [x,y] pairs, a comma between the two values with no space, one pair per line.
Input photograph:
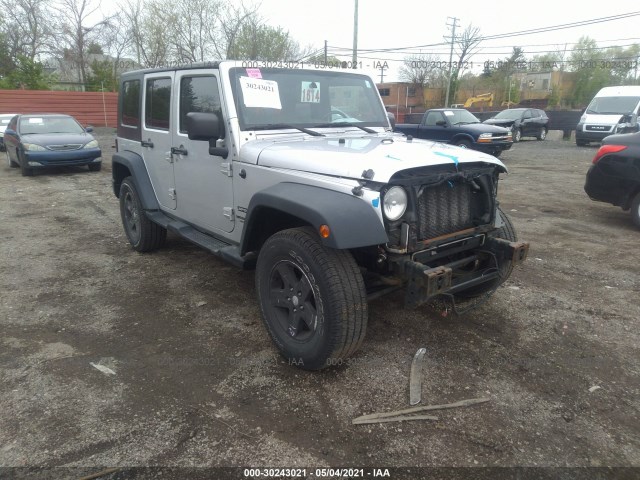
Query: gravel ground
[192,379]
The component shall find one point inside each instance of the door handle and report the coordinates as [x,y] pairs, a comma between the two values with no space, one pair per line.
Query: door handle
[179,151]
[148,143]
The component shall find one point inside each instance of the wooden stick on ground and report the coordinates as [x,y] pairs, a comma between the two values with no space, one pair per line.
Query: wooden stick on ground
[426,408]
[399,418]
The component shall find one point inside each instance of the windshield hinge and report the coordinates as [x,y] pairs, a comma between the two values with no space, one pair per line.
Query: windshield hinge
[228,213]
[227,169]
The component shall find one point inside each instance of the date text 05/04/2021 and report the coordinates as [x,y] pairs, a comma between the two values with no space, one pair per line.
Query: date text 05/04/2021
[316,472]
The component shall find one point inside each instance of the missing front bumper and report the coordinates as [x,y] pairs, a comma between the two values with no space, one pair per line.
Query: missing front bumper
[425,282]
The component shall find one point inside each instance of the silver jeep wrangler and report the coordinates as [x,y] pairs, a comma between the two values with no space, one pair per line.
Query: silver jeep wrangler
[296,172]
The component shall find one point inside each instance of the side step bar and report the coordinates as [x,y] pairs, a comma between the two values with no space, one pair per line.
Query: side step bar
[220,248]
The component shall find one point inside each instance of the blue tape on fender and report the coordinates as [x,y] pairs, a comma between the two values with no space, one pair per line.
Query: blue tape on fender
[452,157]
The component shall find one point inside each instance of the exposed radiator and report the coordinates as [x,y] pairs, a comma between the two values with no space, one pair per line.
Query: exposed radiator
[444,209]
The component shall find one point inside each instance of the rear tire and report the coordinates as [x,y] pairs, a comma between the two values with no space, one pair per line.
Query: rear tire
[542,134]
[143,234]
[507,232]
[312,298]
[635,210]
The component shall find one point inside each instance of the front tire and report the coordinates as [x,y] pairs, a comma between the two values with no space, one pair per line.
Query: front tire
[505,267]
[463,144]
[517,135]
[24,170]
[143,234]
[95,167]
[312,298]
[12,164]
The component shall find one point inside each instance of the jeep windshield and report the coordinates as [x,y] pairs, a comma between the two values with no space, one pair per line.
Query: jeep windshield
[299,99]
[613,105]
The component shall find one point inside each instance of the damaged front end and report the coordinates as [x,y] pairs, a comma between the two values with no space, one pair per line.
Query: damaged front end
[452,238]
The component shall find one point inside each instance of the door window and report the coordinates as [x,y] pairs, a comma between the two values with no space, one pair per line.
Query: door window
[198,94]
[158,103]
[432,118]
[130,103]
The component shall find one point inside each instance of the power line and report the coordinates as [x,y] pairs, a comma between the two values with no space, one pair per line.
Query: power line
[563,26]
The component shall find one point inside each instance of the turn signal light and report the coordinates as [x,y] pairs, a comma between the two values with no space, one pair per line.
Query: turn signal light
[607,149]
[325,231]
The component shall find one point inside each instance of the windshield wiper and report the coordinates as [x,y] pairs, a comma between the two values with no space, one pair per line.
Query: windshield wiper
[281,126]
[464,123]
[344,124]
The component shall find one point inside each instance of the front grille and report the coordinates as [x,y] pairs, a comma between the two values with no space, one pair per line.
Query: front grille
[599,128]
[71,146]
[444,209]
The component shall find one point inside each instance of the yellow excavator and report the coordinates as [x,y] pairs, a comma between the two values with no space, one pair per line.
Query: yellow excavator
[486,99]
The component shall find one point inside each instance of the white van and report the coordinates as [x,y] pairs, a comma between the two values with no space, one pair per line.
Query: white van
[612,110]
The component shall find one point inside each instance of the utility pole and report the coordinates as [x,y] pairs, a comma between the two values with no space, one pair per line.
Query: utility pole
[355,36]
[453,39]
[325,53]
[381,74]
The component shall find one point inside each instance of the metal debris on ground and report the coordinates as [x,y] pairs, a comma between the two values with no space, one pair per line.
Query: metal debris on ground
[415,379]
[404,415]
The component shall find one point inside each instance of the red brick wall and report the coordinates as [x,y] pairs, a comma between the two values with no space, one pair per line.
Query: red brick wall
[89,108]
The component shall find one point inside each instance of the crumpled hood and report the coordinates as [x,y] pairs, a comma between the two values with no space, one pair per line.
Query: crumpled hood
[499,122]
[385,154]
[611,119]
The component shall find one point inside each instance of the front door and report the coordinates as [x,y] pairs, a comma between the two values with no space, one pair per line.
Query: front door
[156,136]
[203,181]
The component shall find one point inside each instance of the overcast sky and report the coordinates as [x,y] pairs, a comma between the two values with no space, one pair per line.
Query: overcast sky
[408,23]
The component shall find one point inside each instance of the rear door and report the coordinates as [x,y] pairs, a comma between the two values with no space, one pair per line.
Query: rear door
[156,136]
[203,181]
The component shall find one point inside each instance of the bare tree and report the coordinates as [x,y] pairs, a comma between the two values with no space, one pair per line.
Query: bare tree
[117,40]
[26,27]
[466,45]
[77,33]
[231,19]
[422,70]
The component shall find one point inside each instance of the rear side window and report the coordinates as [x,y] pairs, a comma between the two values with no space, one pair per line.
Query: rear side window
[198,94]
[131,103]
[158,103]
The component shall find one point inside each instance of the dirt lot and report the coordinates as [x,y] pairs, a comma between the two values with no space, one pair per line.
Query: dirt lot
[198,383]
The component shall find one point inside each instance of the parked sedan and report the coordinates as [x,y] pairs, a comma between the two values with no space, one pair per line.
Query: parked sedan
[35,141]
[614,176]
[523,122]
[4,121]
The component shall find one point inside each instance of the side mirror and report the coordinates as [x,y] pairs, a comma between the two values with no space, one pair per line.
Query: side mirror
[206,127]
[203,126]
[9,131]
[441,123]
[89,129]
[392,120]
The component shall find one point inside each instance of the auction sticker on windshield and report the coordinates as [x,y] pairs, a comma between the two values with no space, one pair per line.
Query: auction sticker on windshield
[310,92]
[260,93]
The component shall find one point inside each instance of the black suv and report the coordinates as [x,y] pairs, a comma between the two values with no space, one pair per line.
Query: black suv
[523,122]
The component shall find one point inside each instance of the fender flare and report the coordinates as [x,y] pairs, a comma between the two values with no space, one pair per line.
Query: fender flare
[353,222]
[136,167]
[462,136]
